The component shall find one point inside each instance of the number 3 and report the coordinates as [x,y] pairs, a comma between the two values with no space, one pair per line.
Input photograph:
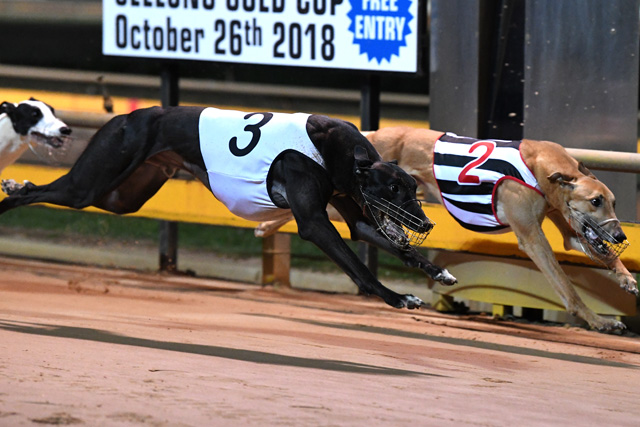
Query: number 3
[255,135]
[464,177]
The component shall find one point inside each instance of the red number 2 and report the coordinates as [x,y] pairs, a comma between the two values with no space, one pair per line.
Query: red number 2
[464,177]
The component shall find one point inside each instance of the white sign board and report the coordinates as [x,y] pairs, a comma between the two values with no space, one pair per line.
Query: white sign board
[376,35]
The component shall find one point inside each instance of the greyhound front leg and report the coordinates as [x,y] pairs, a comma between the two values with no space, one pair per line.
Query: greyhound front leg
[323,234]
[624,277]
[410,256]
[362,230]
[533,242]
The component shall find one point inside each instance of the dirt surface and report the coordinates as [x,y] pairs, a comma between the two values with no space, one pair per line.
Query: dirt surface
[95,346]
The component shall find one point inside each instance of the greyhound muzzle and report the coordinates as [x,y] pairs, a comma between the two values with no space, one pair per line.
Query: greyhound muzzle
[51,150]
[399,226]
[601,244]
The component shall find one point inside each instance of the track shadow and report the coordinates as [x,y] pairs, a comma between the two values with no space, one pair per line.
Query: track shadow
[460,342]
[259,357]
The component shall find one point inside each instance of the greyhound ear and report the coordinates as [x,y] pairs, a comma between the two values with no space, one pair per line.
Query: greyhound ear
[7,107]
[563,180]
[362,162]
[393,162]
[362,158]
[583,169]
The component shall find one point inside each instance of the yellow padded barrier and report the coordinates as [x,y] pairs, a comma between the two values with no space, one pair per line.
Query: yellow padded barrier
[190,201]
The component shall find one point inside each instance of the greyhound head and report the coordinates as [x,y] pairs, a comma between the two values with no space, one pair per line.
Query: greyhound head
[36,121]
[589,208]
[389,200]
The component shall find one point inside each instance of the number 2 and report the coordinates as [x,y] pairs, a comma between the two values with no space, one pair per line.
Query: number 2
[464,177]
[255,135]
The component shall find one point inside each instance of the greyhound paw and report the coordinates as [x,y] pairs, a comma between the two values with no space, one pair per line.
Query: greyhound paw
[411,302]
[631,288]
[629,284]
[445,278]
[10,186]
[405,301]
[607,325]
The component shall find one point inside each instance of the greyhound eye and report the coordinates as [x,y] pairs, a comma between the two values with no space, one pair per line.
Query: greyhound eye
[597,202]
[394,188]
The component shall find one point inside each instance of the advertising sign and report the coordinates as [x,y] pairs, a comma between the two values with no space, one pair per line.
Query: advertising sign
[375,35]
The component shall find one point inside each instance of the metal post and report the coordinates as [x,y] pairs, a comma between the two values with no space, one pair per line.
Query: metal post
[169,89]
[370,103]
[370,120]
[168,236]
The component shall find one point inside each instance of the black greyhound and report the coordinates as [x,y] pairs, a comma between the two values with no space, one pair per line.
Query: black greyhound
[317,160]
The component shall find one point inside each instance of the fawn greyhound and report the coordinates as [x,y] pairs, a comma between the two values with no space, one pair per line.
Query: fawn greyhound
[493,185]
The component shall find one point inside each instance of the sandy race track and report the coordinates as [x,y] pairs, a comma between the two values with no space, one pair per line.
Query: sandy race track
[94,346]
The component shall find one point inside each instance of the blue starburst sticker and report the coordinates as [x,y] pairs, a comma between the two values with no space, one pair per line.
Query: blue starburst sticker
[380,27]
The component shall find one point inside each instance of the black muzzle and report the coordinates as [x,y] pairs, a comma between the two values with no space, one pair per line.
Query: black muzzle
[399,226]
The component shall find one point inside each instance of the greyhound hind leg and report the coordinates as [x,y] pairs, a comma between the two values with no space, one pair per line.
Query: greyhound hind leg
[57,193]
[109,174]
[10,186]
[135,190]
